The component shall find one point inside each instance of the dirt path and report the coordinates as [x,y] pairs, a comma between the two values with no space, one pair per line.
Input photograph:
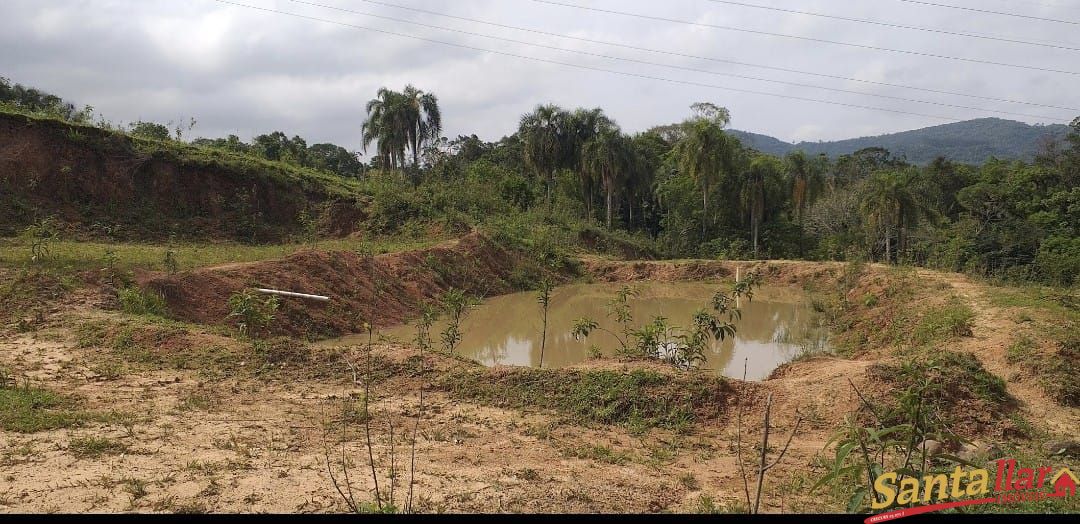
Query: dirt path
[995,329]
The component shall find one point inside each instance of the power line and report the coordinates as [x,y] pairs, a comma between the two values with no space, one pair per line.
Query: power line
[810,39]
[988,11]
[670,66]
[590,68]
[899,26]
[712,59]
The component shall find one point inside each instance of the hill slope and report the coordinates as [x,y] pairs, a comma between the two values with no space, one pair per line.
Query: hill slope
[971,141]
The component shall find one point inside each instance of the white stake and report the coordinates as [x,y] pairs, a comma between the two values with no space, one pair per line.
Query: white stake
[291,294]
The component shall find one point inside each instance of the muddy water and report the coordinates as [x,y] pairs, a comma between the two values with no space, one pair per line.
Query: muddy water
[776,326]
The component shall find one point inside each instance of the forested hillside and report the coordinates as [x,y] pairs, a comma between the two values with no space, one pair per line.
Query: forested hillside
[969,142]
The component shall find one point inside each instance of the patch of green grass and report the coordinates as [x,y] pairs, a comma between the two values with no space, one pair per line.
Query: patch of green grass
[80,256]
[1020,350]
[954,319]
[599,453]
[954,384]
[93,447]
[641,397]
[26,409]
[138,301]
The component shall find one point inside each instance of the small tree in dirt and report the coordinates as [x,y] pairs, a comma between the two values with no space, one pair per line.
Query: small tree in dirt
[455,305]
[41,235]
[385,498]
[543,296]
[252,312]
[683,348]
[428,316]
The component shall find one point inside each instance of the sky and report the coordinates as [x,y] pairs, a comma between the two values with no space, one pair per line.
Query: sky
[244,71]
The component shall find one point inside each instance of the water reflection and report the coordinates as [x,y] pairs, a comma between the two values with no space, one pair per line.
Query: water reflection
[776,326]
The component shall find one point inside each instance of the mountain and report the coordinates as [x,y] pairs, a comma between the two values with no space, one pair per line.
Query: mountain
[970,141]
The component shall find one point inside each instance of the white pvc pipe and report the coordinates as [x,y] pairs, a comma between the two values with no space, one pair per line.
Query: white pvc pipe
[291,294]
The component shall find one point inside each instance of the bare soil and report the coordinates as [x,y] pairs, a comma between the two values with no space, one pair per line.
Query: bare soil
[248,440]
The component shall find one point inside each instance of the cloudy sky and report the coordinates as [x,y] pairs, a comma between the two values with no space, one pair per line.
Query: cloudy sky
[244,71]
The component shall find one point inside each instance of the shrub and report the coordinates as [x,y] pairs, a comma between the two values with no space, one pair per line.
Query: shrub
[137,301]
[252,312]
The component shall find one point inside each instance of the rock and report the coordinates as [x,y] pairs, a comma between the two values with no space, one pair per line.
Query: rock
[969,451]
[931,447]
[1065,448]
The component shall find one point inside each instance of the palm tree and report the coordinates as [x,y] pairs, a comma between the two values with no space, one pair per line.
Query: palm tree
[706,154]
[582,126]
[423,120]
[386,125]
[544,135]
[609,157]
[799,168]
[891,206]
[761,170]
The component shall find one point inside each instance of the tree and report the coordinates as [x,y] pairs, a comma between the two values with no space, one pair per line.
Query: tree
[762,170]
[891,207]
[388,126]
[582,126]
[422,118]
[608,157]
[707,154]
[544,135]
[150,130]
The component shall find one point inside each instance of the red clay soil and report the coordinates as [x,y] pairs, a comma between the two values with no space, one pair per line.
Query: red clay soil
[383,290]
[86,176]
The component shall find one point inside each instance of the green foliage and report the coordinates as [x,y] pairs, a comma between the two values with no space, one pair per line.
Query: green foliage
[455,305]
[41,235]
[252,312]
[28,409]
[643,398]
[137,301]
[940,323]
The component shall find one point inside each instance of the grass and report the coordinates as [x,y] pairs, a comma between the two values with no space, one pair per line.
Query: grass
[599,453]
[953,319]
[70,255]
[26,409]
[638,398]
[93,447]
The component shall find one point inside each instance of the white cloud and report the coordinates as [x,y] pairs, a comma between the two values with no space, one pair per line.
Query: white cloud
[244,71]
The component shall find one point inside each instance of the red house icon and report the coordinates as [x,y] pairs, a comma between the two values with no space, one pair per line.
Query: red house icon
[1065,483]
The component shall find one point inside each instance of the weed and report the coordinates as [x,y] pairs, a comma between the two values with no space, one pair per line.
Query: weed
[951,320]
[252,312]
[689,481]
[93,447]
[137,301]
[599,453]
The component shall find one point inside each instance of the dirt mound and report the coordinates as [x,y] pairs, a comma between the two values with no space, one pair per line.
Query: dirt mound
[383,290]
[101,183]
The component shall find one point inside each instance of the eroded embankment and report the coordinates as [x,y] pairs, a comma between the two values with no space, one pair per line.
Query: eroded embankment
[381,290]
[97,183]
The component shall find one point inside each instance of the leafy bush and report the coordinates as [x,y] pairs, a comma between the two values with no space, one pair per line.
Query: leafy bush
[137,301]
[253,312]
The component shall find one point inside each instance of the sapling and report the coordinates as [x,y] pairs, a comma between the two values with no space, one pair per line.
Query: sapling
[543,296]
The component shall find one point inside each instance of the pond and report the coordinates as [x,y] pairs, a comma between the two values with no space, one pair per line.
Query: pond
[776,326]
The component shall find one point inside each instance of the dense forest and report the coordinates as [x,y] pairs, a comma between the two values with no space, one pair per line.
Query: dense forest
[690,189]
[971,141]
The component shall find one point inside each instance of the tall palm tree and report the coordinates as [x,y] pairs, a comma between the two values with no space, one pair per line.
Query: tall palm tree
[386,125]
[544,135]
[707,154]
[761,170]
[582,126]
[609,157]
[799,168]
[423,120]
[892,207]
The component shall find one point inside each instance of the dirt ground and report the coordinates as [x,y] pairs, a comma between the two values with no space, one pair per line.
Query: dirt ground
[243,442]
